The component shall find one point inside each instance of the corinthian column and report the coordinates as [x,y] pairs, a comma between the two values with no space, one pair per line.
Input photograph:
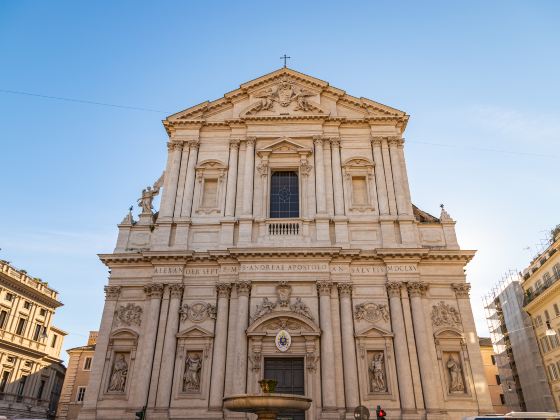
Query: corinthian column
[169,347]
[172,178]
[388,176]
[327,160]
[398,177]
[232,178]
[320,176]
[248,177]
[182,176]
[94,388]
[404,374]
[417,289]
[189,180]
[337,178]
[148,342]
[351,390]
[220,341]
[327,346]
[240,378]
[380,176]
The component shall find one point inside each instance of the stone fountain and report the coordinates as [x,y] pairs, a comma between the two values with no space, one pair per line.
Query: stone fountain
[268,404]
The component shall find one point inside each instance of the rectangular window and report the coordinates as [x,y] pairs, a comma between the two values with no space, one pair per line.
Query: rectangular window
[21,385]
[26,305]
[4,380]
[284,194]
[544,345]
[493,359]
[359,191]
[41,389]
[87,363]
[20,326]
[3,318]
[42,312]
[81,393]
[210,193]
[498,380]
[53,342]
[538,321]
[546,315]
[502,399]
[37,333]
[554,372]
[9,297]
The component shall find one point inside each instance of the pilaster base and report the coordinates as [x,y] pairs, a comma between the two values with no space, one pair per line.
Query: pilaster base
[161,235]
[322,229]
[226,232]
[341,231]
[408,233]
[245,231]
[388,233]
[181,239]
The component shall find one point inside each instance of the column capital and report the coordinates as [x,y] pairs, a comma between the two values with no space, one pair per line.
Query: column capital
[395,141]
[324,287]
[335,141]
[417,288]
[345,289]
[234,144]
[176,290]
[394,288]
[174,145]
[154,290]
[461,289]
[376,140]
[112,292]
[193,143]
[223,289]
[318,140]
[250,141]
[243,288]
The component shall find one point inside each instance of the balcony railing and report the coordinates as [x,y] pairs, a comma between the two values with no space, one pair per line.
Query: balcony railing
[530,296]
[283,228]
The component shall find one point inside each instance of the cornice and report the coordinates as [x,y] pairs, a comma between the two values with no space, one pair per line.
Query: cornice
[551,291]
[25,290]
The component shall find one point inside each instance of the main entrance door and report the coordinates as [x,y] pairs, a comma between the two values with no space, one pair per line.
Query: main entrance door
[289,372]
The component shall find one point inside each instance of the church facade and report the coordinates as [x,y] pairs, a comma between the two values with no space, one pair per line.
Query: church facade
[287,247]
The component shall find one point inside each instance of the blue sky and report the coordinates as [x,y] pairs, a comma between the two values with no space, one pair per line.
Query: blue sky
[479,79]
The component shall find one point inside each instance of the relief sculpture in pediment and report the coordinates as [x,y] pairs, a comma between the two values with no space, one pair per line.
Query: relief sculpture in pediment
[284,94]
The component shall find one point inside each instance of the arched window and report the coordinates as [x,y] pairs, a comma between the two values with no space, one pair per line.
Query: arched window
[284,194]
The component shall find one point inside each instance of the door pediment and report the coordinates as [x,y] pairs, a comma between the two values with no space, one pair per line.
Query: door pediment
[284,145]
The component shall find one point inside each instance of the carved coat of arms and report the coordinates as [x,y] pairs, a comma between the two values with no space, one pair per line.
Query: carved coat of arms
[129,314]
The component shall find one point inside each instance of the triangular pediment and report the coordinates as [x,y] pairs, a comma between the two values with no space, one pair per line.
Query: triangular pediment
[285,145]
[284,93]
[374,332]
[195,332]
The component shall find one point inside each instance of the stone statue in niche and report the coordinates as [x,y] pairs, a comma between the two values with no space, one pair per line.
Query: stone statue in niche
[455,375]
[119,374]
[193,366]
[377,380]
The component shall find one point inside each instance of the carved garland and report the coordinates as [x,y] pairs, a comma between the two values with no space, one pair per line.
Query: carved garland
[197,312]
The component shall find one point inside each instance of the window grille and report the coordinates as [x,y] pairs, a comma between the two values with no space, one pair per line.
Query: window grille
[284,194]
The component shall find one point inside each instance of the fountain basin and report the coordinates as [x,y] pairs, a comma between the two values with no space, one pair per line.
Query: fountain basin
[266,406]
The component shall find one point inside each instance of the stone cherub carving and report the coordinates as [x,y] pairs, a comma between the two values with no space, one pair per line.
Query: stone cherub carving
[119,374]
[193,365]
[284,94]
[377,373]
[455,375]
[264,308]
[299,307]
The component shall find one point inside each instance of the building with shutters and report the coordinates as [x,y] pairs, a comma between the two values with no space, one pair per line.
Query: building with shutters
[31,371]
[286,246]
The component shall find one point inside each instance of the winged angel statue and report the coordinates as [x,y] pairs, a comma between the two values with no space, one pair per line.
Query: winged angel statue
[284,94]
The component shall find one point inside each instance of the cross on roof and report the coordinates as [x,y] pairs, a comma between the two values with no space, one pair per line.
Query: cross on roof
[284,57]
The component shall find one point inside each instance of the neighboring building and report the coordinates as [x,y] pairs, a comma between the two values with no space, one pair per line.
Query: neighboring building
[492,376]
[515,344]
[76,380]
[31,371]
[286,246]
[542,302]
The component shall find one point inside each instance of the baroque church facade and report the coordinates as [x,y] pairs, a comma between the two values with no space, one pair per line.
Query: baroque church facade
[286,246]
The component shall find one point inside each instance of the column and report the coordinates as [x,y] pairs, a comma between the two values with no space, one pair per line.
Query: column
[232,178]
[400,193]
[404,374]
[406,186]
[147,344]
[337,340]
[349,361]
[159,355]
[169,196]
[417,289]
[189,180]
[240,378]
[327,346]
[380,176]
[231,341]
[388,176]
[220,344]
[473,347]
[248,177]
[337,178]
[328,176]
[169,347]
[182,176]
[94,388]
[320,176]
